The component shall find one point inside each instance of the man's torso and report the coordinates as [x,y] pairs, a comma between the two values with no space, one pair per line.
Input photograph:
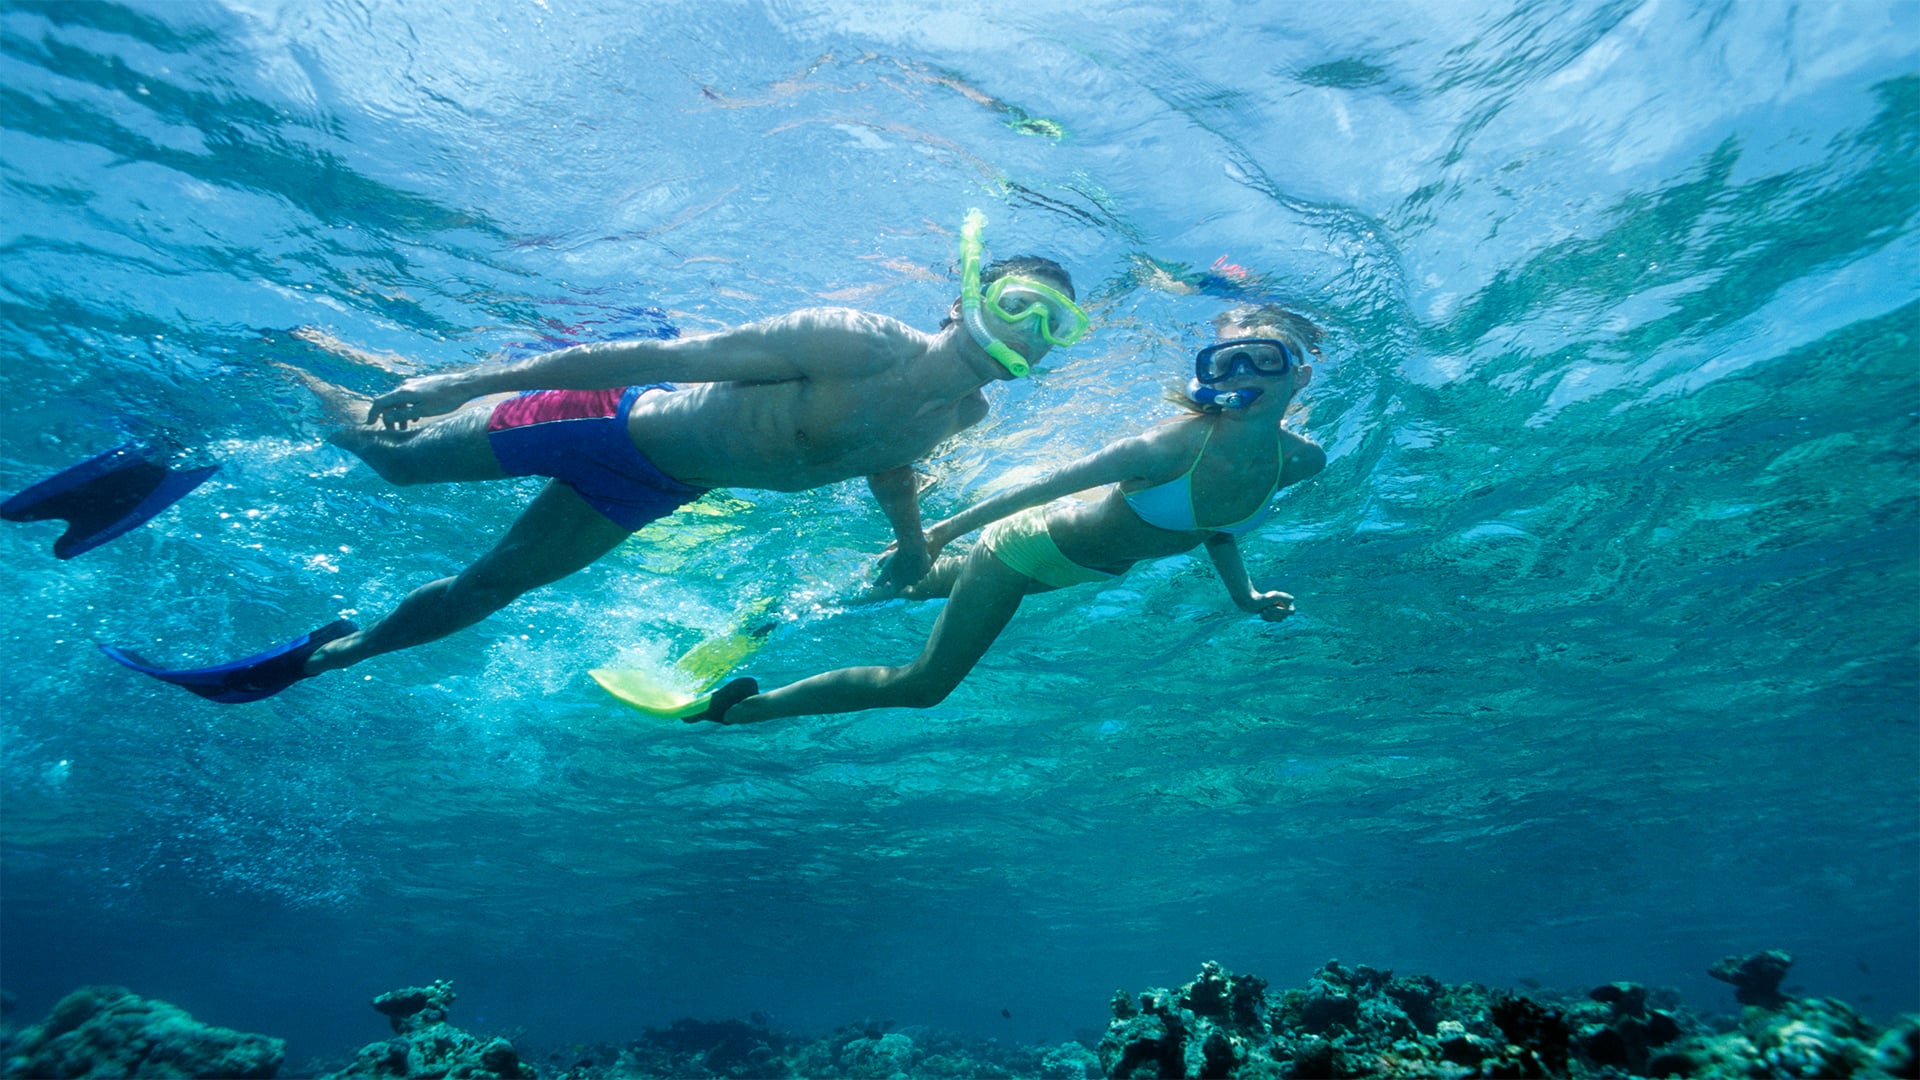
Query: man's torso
[802,433]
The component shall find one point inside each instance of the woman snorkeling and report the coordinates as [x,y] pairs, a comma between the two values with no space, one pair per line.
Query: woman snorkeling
[1205,477]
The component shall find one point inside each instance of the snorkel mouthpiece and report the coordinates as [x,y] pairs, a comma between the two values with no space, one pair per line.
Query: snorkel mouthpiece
[970,314]
[1226,399]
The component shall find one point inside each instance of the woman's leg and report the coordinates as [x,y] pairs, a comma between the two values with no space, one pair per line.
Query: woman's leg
[985,596]
[556,535]
[939,580]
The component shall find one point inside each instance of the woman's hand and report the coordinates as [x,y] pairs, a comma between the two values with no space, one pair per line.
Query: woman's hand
[420,397]
[1270,606]
[939,535]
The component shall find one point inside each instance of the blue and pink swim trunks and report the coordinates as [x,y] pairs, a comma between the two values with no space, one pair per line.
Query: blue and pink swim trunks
[579,437]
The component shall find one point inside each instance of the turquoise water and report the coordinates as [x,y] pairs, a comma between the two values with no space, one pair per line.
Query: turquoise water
[1605,665]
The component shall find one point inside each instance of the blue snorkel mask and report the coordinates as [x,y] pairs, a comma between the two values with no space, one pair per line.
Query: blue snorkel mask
[1013,299]
[1237,356]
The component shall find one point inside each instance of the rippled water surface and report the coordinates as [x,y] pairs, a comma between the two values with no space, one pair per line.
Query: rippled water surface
[1605,664]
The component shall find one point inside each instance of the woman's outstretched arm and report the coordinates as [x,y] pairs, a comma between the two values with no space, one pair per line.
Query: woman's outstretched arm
[1225,552]
[1138,456]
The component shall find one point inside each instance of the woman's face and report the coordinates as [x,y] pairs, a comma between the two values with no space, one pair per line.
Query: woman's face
[1297,376]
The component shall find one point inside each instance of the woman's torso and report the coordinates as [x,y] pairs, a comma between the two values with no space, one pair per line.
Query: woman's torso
[1227,469]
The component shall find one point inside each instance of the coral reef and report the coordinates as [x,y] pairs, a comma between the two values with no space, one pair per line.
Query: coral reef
[715,1047]
[865,1051]
[1345,1021]
[110,1031]
[426,1047]
[1361,1022]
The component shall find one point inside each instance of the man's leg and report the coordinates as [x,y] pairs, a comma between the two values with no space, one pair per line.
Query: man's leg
[984,598]
[557,535]
[449,450]
[436,452]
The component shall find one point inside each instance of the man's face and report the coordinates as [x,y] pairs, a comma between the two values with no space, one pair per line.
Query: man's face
[1026,334]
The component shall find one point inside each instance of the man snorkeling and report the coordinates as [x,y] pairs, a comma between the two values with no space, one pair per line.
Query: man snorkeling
[629,431]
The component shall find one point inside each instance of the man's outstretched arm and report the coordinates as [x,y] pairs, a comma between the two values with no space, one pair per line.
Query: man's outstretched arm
[817,342]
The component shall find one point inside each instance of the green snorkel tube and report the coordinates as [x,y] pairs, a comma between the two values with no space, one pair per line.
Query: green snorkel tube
[970,315]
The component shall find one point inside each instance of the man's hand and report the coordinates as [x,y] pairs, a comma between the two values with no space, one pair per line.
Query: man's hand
[908,560]
[419,398]
[902,566]
[1270,606]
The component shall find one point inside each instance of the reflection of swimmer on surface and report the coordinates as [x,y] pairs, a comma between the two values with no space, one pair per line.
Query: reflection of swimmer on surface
[389,362]
[1208,478]
[628,431]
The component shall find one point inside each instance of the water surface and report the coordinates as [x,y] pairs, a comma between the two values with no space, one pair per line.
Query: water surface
[1605,661]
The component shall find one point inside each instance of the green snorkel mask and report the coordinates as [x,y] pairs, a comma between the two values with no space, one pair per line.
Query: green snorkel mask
[1014,299]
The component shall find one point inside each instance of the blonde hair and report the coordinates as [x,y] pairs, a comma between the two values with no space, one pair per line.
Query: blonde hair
[1300,333]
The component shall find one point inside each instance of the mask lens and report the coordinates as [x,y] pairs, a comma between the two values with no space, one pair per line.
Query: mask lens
[1265,359]
[1254,356]
[1017,299]
[1017,304]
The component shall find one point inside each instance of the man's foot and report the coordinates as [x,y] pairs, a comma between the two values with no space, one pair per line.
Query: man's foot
[324,352]
[341,405]
[249,679]
[726,698]
[105,496]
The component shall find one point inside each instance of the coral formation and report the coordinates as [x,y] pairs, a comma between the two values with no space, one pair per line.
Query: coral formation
[426,1046]
[416,1007]
[110,1031]
[715,1047]
[1362,1022]
[1755,978]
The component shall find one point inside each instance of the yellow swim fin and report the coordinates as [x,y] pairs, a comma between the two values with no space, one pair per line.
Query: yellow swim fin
[704,665]
[643,691]
[709,661]
[651,694]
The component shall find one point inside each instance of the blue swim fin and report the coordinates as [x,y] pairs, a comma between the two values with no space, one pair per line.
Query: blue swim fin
[104,497]
[249,679]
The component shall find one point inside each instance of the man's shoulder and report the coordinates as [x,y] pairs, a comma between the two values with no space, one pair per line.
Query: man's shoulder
[845,320]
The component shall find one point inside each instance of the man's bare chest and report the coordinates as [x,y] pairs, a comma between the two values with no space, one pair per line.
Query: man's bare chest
[871,438]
